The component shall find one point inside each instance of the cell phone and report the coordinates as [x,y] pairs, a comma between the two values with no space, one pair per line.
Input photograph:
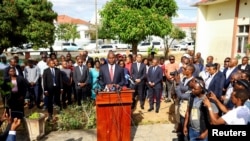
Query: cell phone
[17,114]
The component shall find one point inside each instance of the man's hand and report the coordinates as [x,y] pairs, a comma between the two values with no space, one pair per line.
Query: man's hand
[5,116]
[32,83]
[82,84]
[206,102]
[213,96]
[137,80]
[185,131]
[46,93]
[61,92]
[16,122]
[203,136]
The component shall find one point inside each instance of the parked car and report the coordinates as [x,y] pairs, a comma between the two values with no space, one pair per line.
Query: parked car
[70,47]
[15,50]
[145,45]
[106,48]
[184,45]
[122,46]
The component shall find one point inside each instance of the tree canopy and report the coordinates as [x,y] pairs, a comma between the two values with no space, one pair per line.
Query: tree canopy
[26,21]
[67,32]
[133,20]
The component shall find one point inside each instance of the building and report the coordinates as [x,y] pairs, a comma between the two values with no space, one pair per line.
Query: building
[82,28]
[189,29]
[223,28]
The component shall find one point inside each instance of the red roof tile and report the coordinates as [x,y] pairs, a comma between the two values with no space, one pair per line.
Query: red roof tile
[67,19]
[185,24]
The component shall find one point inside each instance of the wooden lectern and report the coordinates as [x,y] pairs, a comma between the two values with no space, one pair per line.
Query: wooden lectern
[114,115]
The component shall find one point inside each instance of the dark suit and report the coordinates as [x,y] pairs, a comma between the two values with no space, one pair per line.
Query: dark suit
[105,75]
[156,78]
[53,90]
[246,68]
[11,138]
[217,83]
[79,77]
[227,80]
[16,99]
[140,87]
[6,71]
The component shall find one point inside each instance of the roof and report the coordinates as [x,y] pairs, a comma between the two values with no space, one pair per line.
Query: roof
[67,19]
[185,24]
[208,2]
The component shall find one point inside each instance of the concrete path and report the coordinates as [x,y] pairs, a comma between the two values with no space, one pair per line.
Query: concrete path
[156,132]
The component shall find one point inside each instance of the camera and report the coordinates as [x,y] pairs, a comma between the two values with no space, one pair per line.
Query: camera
[174,73]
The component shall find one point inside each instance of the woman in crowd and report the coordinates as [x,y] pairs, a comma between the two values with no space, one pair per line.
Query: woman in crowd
[17,86]
[102,61]
[126,72]
[94,73]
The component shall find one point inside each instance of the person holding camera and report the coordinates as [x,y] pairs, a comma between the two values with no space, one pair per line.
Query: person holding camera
[170,68]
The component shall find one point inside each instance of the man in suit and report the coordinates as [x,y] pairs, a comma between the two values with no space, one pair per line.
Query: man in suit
[14,64]
[88,58]
[138,74]
[232,68]
[81,79]
[111,75]
[244,64]
[215,81]
[155,85]
[53,86]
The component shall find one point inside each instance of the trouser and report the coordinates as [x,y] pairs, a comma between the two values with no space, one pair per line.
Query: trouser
[193,135]
[154,92]
[34,94]
[139,90]
[67,90]
[169,85]
[81,95]
[53,96]
[181,136]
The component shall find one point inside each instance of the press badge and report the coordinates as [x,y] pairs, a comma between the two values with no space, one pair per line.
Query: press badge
[194,114]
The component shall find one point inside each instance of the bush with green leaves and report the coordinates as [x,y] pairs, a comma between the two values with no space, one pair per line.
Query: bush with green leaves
[77,117]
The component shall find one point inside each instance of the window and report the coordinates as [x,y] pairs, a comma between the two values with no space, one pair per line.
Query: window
[73,44]
[242,43]
[243,28]
[156,43]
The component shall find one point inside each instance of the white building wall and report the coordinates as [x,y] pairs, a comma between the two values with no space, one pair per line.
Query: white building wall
[215,30]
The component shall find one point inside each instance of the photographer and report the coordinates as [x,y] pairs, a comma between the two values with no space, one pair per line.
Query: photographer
[172,68]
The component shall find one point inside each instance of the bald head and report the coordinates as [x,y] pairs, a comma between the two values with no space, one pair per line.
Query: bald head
[233,62]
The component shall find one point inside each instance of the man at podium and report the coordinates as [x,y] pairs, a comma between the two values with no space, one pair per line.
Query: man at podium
[111,75]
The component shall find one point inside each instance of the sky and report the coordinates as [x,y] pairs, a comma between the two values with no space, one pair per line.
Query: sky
[85,9]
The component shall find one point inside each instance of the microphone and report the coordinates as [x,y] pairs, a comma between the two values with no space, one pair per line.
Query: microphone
[129,79]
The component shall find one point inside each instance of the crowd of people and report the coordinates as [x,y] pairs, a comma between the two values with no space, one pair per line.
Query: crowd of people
[204,93]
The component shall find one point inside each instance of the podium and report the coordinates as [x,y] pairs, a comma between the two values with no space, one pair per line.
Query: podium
[114,115]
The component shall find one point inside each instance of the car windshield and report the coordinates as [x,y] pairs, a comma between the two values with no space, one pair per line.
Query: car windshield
[73,44]
[66,44]
[183,43]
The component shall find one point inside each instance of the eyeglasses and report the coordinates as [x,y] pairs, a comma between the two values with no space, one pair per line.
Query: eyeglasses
[226,61]
[199,82]
[80,62]
[171,59]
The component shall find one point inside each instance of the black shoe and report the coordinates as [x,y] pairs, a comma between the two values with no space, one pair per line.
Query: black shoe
[151,109]
[156,111]
[142,107]
[168,100]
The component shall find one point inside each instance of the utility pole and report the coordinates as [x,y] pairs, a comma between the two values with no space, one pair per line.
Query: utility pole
[96,26]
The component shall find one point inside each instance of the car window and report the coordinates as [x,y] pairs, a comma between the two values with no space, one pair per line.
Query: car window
[156,43]
[106,46]
[73,44]
[145,44]
[66,44]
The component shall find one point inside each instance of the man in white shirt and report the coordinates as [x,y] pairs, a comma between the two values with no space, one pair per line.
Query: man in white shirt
[239,115]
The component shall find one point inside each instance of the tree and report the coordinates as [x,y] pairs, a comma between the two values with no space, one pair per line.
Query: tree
[67,32]
[133,20]
[26,21]
[176,34]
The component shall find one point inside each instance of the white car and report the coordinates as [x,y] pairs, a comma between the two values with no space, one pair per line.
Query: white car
[70,47]
[145,45]
[122,46]
[106,48]
[184,45]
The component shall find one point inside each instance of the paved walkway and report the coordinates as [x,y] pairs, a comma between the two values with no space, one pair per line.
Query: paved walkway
[156,132]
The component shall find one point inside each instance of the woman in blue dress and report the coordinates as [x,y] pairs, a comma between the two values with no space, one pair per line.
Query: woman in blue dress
[94,73]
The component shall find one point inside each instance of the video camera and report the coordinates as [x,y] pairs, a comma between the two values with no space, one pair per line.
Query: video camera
[174,73]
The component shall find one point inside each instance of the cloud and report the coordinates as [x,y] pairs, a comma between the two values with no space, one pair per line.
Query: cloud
[182,18]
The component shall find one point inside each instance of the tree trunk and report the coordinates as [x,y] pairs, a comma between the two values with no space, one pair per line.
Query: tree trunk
[134,48]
